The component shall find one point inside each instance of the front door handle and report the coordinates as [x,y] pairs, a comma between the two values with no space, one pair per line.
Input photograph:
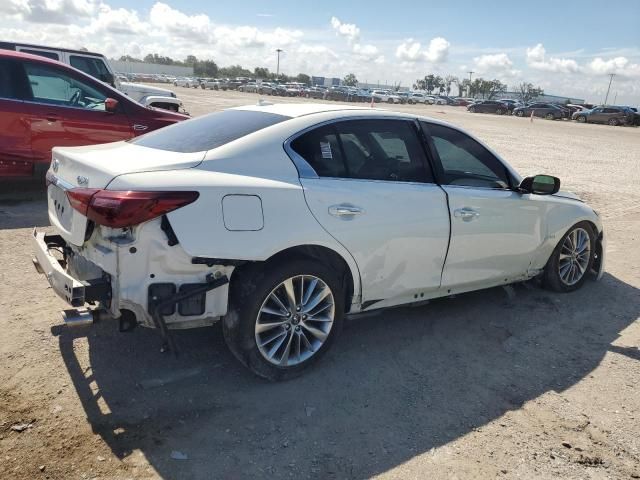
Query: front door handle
[345,210]
[466,214]
[139,128]
[52,117]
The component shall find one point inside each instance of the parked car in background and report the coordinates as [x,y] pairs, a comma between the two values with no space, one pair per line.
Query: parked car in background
[250,87]
[540,109]
[338,93]
[511,103]
[417,97]
[212,84]
[46,103]
[606,114]
[96,65]
[488,106]
[265,88]
[187,82]
[357,188]
[313,92]
[385,96]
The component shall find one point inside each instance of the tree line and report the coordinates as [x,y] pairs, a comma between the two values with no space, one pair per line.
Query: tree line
[478,88]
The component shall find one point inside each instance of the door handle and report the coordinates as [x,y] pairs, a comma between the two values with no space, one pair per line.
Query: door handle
[466,213]
[52,117]
[345,210]
[140,128]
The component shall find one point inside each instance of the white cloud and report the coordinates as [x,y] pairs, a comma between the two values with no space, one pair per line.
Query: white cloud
[412,51]
[495,64]
[348,30]
[119,21]
[618,65]
[536,59]
[366,52]
[251,37]
[196,27]
[49,11]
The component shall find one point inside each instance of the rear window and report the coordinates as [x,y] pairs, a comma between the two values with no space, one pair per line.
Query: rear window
[209,131]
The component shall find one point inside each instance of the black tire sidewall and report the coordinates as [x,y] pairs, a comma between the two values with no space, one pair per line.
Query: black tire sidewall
[551,276]
[247,294]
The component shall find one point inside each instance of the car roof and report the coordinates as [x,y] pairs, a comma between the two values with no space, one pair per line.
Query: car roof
[11,45]
[28,56]
[294,110]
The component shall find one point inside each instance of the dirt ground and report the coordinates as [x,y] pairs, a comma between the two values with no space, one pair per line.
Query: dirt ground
[487,385]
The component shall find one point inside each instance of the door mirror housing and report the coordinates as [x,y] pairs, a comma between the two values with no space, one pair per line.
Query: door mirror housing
[111,105]
[540,185]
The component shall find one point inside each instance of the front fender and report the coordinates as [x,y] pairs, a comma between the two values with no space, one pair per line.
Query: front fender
[562,214]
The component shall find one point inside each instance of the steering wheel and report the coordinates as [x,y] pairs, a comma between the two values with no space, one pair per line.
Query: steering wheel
[75,98]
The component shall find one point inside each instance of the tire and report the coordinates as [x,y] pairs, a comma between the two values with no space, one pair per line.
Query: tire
[550,116]
[614,122]
[520,113]
[499,111]
[581,119]
[552,277]
[250,295]
[389,100]
[472,110]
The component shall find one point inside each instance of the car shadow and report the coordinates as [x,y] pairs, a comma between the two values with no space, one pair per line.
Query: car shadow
[28,212]
[394,386]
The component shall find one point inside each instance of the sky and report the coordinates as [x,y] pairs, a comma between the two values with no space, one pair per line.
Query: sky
[566,47]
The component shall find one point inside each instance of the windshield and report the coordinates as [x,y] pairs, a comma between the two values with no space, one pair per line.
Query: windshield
[209,131]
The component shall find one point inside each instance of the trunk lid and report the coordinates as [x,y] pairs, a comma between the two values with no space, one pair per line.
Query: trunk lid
[95,166]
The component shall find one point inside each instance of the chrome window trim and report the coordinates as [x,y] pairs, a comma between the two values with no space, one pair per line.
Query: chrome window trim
[306,171]
[68,106]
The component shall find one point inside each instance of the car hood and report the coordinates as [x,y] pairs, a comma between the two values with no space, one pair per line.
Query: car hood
[569,195]
[145,89]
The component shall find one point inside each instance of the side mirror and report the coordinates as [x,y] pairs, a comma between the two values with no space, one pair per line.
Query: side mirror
[540,185]
[111,105]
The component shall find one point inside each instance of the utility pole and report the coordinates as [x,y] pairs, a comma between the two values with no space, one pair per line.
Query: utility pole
[278,51]
[470,73]
[611,75]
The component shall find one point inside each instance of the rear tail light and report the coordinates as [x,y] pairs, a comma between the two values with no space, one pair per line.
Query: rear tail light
[119,209]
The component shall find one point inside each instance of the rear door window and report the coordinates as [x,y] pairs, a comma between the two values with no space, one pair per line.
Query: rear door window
[42,53]
[11,84]
[209,131]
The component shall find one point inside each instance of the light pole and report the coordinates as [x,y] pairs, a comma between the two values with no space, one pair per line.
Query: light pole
[470,73]
[611,75]
[278,51]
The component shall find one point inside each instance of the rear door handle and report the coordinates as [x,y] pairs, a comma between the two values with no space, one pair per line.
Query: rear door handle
[466,213]
[345,210]
[52,117]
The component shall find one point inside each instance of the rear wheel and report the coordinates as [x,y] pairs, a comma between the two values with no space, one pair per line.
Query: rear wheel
[472,109]
[614,122]
[499,111]
[283,318]
[571,260]
[520,113]
[581,119]
[549,116]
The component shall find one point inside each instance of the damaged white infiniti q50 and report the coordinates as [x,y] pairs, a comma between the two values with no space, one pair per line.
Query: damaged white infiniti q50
[279,219]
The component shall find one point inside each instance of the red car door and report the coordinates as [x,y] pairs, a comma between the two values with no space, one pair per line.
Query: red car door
[16,158]
[66,109]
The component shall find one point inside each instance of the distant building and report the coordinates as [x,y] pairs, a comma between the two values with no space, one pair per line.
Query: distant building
[326,81]
[143,67]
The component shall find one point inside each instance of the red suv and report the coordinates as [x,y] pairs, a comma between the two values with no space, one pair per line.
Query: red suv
[45,103]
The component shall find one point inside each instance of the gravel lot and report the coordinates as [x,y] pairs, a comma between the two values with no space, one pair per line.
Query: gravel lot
[493,384]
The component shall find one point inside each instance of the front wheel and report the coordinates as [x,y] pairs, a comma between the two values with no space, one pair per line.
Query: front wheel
[283,318]
[550,116]
[520,113]
[499,111]
[613,122]
[581,119]
[472,110]
[571,260]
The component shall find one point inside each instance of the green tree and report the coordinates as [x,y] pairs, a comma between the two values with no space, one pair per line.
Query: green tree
[205,68]
[527,92]
[234,71]
[450,80]
[429,83]
[488,89]
[261,73]
[350,80]
[129,58]
[304,78]
[191,61]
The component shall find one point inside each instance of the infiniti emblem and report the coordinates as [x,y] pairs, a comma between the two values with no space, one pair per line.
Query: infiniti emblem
[55,165]
[82,180]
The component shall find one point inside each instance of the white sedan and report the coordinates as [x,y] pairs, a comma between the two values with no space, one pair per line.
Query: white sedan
[279,219]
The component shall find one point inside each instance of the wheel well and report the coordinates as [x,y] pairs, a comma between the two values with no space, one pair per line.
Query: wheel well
[324,255]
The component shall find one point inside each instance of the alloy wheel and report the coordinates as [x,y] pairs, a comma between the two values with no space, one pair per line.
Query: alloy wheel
[575,254]
[295,320]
